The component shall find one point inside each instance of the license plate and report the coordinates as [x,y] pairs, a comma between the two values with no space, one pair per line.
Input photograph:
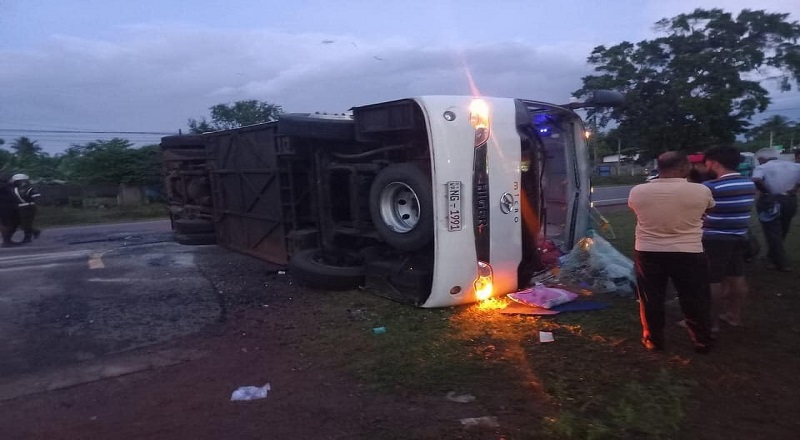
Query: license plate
[454,218]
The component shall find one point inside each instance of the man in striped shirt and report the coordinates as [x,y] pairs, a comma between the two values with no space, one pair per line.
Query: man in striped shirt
[725,233]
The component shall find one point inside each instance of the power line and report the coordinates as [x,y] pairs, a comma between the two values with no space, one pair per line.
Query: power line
[14,130]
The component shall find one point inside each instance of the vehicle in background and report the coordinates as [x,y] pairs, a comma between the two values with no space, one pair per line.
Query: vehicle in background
[434,200]
[748,164]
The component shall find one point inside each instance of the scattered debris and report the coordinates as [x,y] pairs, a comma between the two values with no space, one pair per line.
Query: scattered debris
[595,265]
[250,393]
[464,398]
[546,337]
[379,330]
[543,296]
[483,422]
[359,314]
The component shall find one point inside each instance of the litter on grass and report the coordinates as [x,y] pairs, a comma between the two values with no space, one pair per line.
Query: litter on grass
[484,422]
[379,330]
[250,393]
[464,398]
[543,296]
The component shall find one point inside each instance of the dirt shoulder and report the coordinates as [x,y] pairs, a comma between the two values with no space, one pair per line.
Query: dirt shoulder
[309,398]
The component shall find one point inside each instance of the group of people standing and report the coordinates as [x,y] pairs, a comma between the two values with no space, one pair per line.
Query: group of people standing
[17,209]
[693,227]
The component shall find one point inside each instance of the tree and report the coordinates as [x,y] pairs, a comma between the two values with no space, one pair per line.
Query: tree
[776,130]
[111,162]
[5,159]
[26,151]
[238,114]
[700,83]
[28,158]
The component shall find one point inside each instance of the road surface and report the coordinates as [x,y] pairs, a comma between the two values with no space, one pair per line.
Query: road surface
[80,293]
[611,195]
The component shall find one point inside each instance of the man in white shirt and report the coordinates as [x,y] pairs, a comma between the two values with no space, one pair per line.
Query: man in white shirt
[669,231]
[777,180]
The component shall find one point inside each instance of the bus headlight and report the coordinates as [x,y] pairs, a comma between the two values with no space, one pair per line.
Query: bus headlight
[483,283]
[479,118]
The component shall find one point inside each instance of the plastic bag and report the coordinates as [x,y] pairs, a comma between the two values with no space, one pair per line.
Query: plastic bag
[250,393]
[543,296]
[595,265]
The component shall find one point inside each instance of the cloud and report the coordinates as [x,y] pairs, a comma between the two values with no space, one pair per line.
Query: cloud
[154,79]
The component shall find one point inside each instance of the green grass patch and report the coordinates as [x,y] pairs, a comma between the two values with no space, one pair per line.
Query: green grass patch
[572,388]
[50,216]
[652,409]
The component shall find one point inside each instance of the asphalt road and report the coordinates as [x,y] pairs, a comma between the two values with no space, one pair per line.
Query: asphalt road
[80,293]
[611,195]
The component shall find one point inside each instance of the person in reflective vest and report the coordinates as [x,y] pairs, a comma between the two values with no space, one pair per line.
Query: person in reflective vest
[26,196]
[9,216]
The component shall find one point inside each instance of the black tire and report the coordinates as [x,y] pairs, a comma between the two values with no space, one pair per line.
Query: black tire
[404,223]
[183,141]
[193,226]
[316,127]
[313,268]
[196,239]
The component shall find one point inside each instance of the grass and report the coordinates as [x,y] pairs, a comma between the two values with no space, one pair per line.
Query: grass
[50,216]
[595,381]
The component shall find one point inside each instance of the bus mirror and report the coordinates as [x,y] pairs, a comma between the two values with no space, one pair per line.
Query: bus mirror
[600,98]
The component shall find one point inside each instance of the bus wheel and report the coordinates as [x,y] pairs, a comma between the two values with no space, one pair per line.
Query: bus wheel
[328,270]
[401,206]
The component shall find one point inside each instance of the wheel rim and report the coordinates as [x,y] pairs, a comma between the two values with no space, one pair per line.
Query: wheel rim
[399,207]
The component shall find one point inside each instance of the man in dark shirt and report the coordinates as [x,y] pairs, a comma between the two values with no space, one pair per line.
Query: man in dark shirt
[725,233]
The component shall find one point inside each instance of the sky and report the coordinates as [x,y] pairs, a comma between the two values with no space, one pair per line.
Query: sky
[140,69]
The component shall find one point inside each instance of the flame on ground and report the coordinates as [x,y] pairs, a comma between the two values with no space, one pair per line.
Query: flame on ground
[494,303]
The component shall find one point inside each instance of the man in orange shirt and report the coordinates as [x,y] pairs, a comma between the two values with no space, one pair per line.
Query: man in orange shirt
[669,231]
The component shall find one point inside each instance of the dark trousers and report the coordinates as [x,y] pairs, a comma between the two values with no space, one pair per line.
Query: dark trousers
[9,221]
[775,230]
[26,216]
[689,274]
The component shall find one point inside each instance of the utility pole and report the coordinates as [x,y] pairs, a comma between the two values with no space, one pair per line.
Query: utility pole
[619,155]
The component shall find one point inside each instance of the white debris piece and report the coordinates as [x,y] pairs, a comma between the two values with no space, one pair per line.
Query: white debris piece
[250,393]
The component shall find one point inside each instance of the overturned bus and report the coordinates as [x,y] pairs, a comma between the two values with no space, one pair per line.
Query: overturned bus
[434,200]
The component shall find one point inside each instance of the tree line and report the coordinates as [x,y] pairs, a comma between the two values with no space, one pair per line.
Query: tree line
[700,83]
[116,160]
